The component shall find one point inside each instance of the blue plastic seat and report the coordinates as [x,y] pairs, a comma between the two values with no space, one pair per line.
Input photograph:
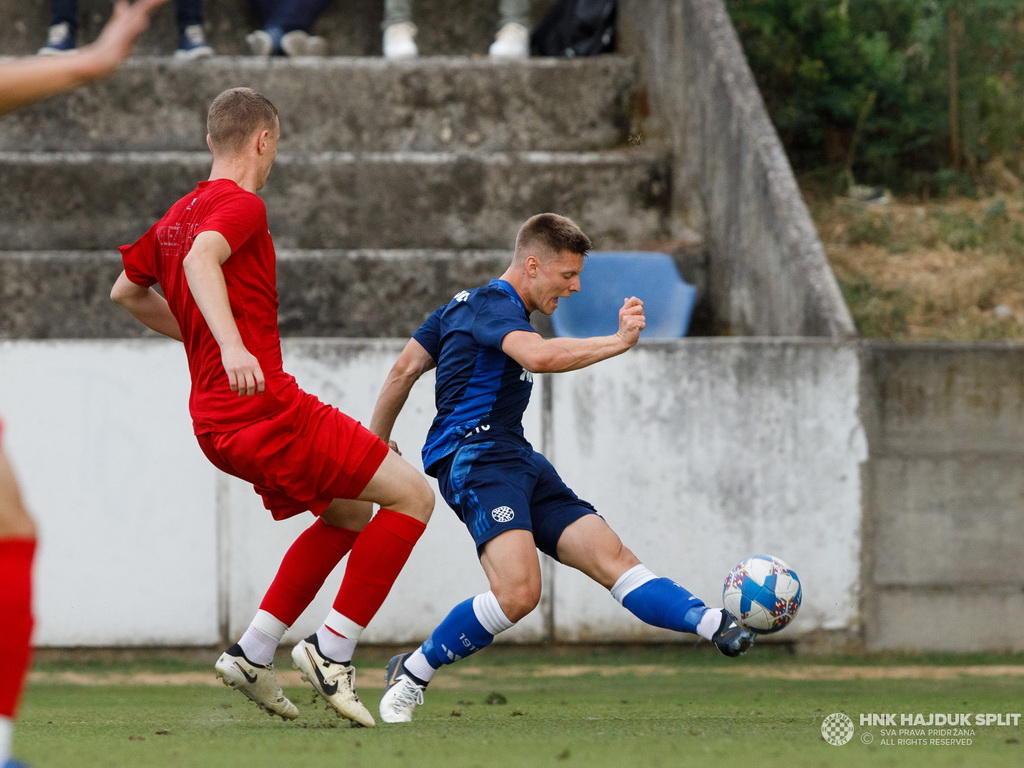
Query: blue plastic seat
[609,277]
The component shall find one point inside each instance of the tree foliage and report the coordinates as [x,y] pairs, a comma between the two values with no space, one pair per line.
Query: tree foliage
[918,95]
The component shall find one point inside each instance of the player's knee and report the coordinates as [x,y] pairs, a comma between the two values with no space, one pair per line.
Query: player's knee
[421,499]
[519,602]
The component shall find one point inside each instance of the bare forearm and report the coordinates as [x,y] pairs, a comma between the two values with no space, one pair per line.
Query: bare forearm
[392,398]
[410,365]
[27,80]
[539,355]
[153,311]
[145,305]
[204,274]
[566,354]
[206,282]
[30,79]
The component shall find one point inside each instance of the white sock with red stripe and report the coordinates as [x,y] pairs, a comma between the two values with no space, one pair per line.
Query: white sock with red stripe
[337,637]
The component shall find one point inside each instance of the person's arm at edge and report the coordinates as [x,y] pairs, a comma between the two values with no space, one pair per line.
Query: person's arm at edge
[145,305]
[412,363]
[205,278]
[37,77]
[539,355]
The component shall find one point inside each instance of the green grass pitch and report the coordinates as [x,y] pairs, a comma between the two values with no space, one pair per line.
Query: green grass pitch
[663,706]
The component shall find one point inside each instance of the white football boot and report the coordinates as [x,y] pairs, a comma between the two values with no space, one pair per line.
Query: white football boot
[403,694]
[335,682]
[258,683]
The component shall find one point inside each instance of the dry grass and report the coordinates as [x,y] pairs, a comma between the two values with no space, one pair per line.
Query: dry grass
[952,269]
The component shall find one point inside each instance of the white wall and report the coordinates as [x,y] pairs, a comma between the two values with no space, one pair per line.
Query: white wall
[706,452]
[697,452]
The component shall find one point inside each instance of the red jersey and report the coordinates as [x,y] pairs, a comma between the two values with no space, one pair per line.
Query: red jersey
[251,276]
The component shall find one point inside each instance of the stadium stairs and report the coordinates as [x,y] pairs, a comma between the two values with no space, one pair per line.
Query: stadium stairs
[396,184]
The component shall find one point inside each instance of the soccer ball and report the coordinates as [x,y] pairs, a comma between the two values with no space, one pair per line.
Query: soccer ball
[762,593]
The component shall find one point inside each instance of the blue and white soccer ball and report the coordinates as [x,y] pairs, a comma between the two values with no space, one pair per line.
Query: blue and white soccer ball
[762,593]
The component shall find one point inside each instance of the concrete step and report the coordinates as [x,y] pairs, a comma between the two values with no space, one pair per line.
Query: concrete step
[352,27]
[344,104]
[358,293]
[326,292]
[90,200]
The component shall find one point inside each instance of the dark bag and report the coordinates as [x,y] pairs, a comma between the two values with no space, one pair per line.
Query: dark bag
[575,28]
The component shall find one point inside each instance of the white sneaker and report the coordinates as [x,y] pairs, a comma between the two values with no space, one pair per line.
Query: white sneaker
[399,41]
[511,42]
[299,43]
[335,682]
[260,42]
[258,683]
[403,694]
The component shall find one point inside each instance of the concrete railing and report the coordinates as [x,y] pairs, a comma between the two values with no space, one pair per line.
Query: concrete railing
[887,475]
[691,450]
[732,183]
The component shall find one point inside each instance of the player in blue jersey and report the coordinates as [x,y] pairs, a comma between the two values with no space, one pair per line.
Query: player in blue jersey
[508,495]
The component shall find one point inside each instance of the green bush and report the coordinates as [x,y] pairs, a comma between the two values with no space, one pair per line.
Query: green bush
[916,95]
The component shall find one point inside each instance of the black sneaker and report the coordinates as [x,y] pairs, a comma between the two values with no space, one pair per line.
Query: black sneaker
[730,638]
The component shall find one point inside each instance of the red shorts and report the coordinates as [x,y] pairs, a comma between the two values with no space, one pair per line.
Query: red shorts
[300,459]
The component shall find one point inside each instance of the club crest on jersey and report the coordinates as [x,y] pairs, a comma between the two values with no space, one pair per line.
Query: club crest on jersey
[502,514]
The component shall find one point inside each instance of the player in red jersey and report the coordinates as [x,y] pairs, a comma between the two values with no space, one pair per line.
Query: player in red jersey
[23,81]
[17,551]
[213,257]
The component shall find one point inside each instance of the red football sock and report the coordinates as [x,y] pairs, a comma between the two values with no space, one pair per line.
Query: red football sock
[16,557]
[305,567]
[377,558]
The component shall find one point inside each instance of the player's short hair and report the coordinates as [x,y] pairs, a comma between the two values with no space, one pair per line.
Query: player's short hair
[551,233]
[237,114]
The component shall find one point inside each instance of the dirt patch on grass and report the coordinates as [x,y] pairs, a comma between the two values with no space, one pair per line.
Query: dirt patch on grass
[461,678]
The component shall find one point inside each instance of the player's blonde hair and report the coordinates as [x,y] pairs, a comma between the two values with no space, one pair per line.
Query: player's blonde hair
[237,114]
[547,234]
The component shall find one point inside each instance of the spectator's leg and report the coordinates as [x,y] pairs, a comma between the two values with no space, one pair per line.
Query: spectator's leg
[65,12]
[396,12]
[514,12]
[190,13]
[297,14]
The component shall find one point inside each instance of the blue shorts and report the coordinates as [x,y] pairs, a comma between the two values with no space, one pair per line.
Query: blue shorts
[498,485]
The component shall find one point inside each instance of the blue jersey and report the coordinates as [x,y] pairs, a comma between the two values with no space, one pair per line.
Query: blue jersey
[480,391]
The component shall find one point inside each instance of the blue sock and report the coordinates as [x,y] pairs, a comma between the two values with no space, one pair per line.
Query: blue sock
[459,635]
[663,603]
